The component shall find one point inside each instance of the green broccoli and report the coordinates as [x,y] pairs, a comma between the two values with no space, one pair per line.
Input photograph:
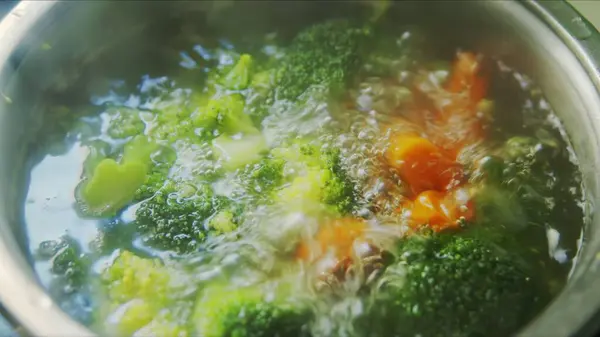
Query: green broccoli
[533,173]
[466,286]
[327,54]
[320,179]
[158,174]
[262,177]
[228,114]
[136,292]
[174,217]
[240,76]
[338,190]
[71,280]
[222,222]
[248,312]
[67,260]
[125,122]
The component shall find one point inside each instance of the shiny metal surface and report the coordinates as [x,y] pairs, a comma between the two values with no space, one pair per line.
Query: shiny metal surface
[527,34]
[20,293]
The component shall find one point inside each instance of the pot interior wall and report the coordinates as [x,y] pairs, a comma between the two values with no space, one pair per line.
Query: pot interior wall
[78,44]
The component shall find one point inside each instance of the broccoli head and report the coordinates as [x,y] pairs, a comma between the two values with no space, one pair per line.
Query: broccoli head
[466,286]
[240,75]
[247,312]
[325,54]
[69,266]
[534,171]
[136,291]
[318,178]
[176,216]
[68,262]
[225,114]
[263,176]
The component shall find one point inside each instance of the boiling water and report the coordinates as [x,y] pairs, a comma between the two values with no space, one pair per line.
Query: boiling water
[252,253]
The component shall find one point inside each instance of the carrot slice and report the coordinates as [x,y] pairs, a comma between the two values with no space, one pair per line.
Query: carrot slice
[421,164]
[337,236]
[440,210]
[464,70]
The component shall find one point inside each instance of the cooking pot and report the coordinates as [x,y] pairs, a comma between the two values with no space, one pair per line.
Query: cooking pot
[51,48]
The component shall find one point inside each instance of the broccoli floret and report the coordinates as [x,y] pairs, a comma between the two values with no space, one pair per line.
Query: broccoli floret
[226,115]
[260,94]
[158,174]
[533,172]
[70,283]
[306,192]
[155,181]
[131,277]
[247,312]
[174,217]
[338,190]
[325,54]
[240,76]
[67,259]
[125,122]
[263,176]
[322,180]
[222,222]
[466,286]
[137,291]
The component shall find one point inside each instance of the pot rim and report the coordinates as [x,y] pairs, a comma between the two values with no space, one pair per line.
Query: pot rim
[26,301]
[21,294]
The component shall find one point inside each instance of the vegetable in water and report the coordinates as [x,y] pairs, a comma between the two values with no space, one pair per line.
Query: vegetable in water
[357,171]
[139,290]
[248,312]
[327,54]
[466,286]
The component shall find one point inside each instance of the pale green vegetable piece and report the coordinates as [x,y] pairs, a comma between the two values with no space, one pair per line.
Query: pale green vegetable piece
[139,294]
[213,307]
[236,152]
[139,150]
[239,76]
[222,222]
[133,316]
[113,185]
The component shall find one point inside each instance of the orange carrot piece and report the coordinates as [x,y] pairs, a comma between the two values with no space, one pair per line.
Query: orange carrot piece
[439,210]
[338,236]
[464,71]
[421,164]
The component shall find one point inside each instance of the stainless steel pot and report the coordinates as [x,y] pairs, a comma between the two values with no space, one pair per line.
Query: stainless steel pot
[42,41]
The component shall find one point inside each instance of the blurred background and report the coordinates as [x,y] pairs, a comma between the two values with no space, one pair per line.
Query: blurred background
[589,8]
